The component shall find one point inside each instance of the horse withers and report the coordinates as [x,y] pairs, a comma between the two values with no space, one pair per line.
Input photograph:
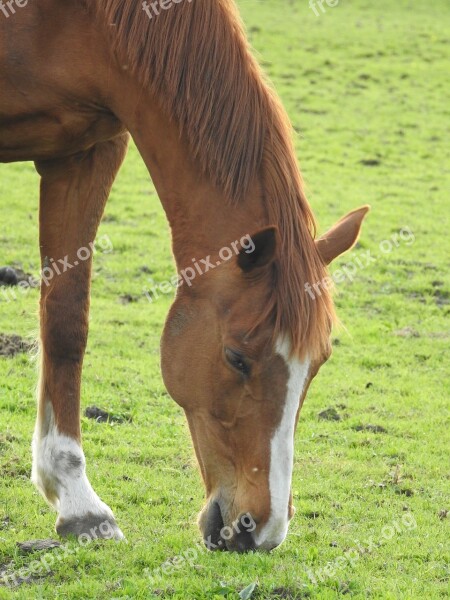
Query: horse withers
[242,342]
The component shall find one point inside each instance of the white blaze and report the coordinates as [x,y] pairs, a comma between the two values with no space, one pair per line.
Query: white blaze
[282,454]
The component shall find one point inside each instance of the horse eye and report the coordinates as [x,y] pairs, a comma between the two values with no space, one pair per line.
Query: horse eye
[237,361]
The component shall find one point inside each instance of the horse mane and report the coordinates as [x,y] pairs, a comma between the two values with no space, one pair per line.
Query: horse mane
[195,57]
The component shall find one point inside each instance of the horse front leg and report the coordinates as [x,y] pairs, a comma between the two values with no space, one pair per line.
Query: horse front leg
[73,195]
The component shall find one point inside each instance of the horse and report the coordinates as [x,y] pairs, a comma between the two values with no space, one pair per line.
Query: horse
[243,341]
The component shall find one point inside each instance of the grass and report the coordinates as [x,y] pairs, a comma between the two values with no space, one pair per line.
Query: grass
[364,85]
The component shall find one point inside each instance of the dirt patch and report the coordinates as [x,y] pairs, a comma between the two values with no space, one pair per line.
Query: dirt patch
[13,276]
[10,345]
[404,491]
[442,297]
[370,162]
[312,514]
[6,440]
[330,414]
[102,416]
[128,299]
[11,576]
[36,545]
[407,332]
[4,523]
[372,428]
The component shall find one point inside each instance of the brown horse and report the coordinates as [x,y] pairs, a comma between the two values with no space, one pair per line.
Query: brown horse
[243,341]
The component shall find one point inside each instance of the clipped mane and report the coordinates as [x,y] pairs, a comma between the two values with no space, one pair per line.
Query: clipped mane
[195,57]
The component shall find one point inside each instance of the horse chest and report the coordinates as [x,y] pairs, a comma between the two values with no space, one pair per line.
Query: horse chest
[41,133]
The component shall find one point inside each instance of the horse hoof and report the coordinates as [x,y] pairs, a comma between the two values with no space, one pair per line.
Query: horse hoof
[90,527]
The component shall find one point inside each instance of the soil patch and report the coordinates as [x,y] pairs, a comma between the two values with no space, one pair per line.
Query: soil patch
[10,345]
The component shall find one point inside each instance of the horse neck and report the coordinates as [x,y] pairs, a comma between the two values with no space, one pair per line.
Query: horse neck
[202,220]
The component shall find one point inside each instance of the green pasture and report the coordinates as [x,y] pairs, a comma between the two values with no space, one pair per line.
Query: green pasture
[366,86]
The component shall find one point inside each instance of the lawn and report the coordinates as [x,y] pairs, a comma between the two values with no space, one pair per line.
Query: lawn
[364,84]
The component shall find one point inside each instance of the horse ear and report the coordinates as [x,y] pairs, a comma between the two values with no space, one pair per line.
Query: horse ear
[259,250]
[342,236]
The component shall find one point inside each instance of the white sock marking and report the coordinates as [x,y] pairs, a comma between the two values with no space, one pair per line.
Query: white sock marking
[59,472]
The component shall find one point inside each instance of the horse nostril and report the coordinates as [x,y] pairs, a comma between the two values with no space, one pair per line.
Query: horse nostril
[242,542]
[212,534]
[235,538]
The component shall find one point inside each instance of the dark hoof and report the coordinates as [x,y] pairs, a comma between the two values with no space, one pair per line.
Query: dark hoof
[90,527]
